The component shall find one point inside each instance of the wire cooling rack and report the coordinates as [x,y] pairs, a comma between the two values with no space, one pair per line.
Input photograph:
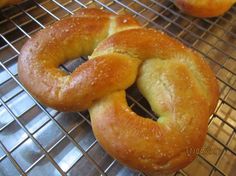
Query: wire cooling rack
[36,140]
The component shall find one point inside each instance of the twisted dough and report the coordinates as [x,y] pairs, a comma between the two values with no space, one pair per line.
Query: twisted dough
[204,8]
[179,86]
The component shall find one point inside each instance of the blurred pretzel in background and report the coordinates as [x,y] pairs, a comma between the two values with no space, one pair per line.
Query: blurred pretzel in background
[204,8]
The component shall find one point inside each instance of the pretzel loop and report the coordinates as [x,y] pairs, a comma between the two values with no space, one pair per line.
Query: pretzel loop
[181,90]
[68,39]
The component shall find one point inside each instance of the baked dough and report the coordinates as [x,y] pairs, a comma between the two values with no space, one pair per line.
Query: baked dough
[180,87]
[204,8]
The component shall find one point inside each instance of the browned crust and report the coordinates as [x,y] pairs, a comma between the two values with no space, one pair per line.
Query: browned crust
[204,8]
[67,39]
[154,44]
[143,144]
[184,98]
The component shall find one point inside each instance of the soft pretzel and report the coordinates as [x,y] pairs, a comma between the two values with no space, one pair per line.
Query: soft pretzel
[8,2]
[204,8]
[179,85]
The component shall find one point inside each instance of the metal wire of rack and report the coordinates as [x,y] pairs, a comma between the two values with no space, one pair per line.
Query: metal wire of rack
[37,140]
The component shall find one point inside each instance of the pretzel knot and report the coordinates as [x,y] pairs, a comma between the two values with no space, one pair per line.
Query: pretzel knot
[179,86]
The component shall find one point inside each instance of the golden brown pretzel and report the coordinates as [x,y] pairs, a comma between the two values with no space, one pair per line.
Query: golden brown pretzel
[179,86]
[204,8]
